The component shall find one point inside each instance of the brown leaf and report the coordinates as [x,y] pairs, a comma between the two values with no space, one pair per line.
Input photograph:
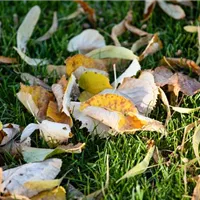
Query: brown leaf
[181,63]
[59,69]
[196,192]
[124,25]
[7,60]
[180,82]
[88,10]
[162,76]
[149,7]
[154,45]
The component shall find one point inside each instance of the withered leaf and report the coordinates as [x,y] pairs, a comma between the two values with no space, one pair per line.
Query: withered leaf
[7,60]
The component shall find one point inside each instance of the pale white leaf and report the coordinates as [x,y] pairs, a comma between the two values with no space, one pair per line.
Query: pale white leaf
[86,41]
[26,28]
[52,29]
[28,131]
[195,142]
[31,61]
[185,110]
[14,179]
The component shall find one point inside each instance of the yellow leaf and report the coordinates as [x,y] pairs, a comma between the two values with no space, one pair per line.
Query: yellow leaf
[93,82]
[58,193]
[76,61]
[111,102]
[84,96]
[56,116]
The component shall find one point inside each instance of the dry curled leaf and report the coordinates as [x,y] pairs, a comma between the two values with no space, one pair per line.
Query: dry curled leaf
[88,10]
[7,60]
[52,29]
[149,7]
[196,192]
[181,63]
[86,41]
[154,45]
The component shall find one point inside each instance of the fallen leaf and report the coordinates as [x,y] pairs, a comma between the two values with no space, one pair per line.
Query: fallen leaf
[162,76]
[14,197]
[196,192]
[52,132]
[78,60]
[15,178]
[84,96]
[52,29]
[93,126]
[198,59]
[165,101]
[180,82]
[140,167]
[185,110]
[143,91]
[132,70]
[26,28]
[112,52]
[172,10]
[154,45]
[191,29]
[58,193]
[35,99]
[59,69]
[124,25]
[73,15]
[8,132]
[32,154]
[7,60]
[184,2]
[195,142]
[86,41]
[93,82]
[141,42]
[31,61]
[54,114]
[32,80]
[88,10]
[149,7]
[181,63]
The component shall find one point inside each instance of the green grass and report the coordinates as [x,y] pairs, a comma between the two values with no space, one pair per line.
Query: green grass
[88,170]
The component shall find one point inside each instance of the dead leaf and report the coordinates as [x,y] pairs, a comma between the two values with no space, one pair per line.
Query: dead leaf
[8,132]
[35,99]
[132,70]
[7,60]
[32,80]
[93,82]
[84,96]
[52,132]
[180,82]
[185,110]
[196,192]
[52,29]
[112,52]
[14,197]
[78,60]
[124,25]
[195,142]
[58,193]
[26,28]
[181,63]
[141,42]
[172,10]
[143,91]
[59,69]
[73,15]
[86,41]
[32,154]
[191,29]
[140,167]
[154,45]
[88,10]
[149,7]
[15,178]
[54,114]
[31,61]
[162,76]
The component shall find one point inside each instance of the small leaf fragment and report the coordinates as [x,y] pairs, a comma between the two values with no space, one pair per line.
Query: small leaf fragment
[195,142]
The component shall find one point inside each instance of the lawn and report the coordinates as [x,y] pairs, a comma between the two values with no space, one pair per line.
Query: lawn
[87,171]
